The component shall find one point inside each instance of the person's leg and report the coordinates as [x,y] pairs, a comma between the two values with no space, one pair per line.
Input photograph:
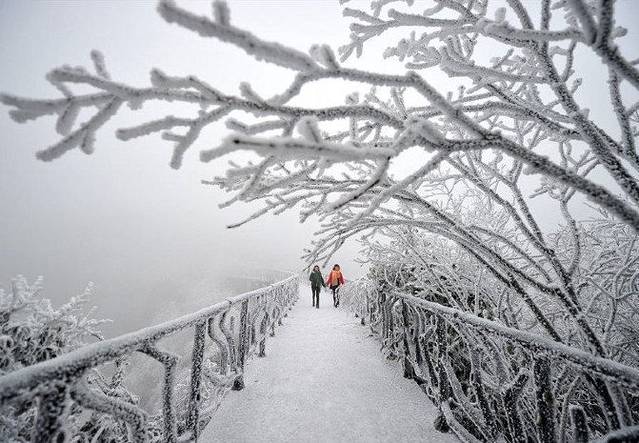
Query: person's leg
[319,289]
[314,290]
[316,297]
[337,296]
[333,288]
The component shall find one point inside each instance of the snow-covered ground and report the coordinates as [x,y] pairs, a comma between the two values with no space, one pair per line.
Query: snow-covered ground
[324,380]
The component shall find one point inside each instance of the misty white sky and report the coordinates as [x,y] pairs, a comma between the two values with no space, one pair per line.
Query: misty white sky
[121,217]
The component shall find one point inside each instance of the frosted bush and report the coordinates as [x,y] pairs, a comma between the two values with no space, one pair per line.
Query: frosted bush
[33,331]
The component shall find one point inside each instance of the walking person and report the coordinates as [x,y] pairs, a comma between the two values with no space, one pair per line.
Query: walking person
[334,281]
[317,281]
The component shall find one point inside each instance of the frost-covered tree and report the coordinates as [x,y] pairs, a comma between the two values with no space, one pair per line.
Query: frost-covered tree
[32,331]
[462,224]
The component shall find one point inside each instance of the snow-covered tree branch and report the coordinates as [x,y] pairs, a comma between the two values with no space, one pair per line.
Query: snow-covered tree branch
[523,86]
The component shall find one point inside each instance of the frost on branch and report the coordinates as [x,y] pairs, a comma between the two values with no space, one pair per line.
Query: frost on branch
[224,31]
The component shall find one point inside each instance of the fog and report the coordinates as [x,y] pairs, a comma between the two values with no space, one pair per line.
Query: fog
[153,239]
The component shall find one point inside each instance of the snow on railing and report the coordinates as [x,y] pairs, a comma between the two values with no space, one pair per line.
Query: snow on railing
[491,380]
[61,384]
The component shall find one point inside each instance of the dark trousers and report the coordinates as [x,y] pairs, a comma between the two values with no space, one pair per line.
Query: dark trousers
[316,292]
[335,290]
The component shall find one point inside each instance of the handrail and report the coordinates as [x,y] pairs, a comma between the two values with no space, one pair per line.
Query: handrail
[621,373]
[489,379]
[54,380]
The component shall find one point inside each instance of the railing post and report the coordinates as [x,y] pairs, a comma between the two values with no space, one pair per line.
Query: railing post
[263,328]
[243,333]
[368,311]
[169,362]
[48,426]
[610,408]
[230,341]
[545,400]
[509,399]
[389,317]
[579,424]
[170,428]
[238,383]
[444,388]
[409,370]
[476,379]
[273,318]
[252,332]
[193,417]
[222,346]
[381,302]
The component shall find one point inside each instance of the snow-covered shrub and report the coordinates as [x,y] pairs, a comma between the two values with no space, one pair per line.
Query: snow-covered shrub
[607,280]
[32,331]
[356,294]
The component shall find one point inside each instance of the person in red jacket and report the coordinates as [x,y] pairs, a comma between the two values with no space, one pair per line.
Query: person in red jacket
[334,281]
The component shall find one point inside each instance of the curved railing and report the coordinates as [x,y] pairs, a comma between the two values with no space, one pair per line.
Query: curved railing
[491,380]
[223,336]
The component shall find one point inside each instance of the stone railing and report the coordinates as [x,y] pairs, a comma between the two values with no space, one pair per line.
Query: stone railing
[492,381]
[221,337]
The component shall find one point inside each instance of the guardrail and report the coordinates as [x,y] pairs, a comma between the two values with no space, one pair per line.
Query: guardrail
[61,384]
[490,380]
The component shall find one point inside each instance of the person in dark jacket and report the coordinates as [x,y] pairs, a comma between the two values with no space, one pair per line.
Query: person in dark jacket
[316,284]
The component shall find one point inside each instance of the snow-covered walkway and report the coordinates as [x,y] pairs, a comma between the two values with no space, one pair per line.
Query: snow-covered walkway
[324,380]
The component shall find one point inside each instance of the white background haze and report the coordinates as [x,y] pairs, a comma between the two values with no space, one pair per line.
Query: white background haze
[151,238]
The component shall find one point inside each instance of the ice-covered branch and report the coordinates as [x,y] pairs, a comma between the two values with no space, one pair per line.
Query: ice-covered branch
[293,148]
[224,31]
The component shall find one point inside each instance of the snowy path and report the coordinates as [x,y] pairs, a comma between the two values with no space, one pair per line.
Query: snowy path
[324,380]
